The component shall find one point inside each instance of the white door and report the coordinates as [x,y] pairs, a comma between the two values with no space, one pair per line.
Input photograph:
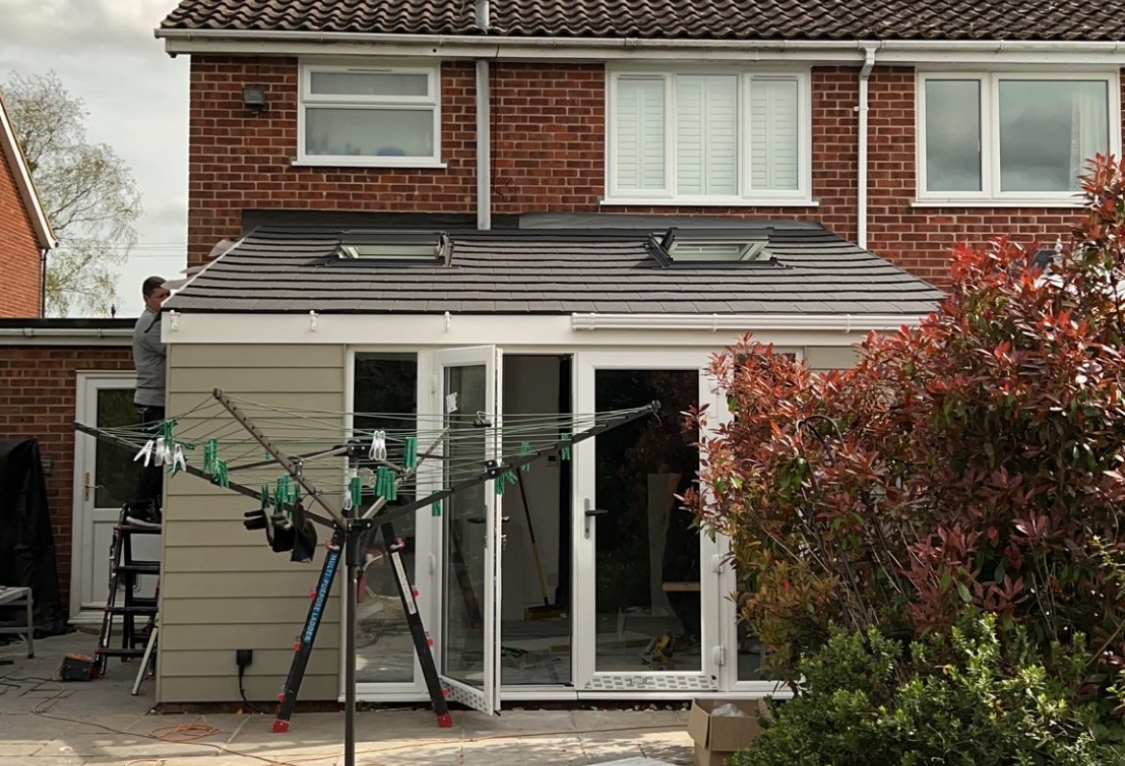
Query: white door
[468,388]
[105,477]
[647,582]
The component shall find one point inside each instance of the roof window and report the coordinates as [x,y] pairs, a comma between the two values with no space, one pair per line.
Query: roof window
[399,247]
[713,247]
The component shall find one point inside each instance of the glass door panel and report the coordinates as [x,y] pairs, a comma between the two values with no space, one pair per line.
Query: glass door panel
[469,645]
[647,551]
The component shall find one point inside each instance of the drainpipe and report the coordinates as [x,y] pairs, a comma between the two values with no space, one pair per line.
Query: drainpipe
[484,132]
[43,282]
[861,201]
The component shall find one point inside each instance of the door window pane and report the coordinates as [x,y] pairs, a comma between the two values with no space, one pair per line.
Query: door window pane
[953,136]
[1048,131]
[115,472]
[647,551]
[386,384]
[369,132]
[466,529]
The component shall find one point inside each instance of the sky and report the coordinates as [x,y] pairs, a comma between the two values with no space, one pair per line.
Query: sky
[136,97]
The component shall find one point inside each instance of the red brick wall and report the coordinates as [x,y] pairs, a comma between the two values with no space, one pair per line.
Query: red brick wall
[237,160]
[920,239]
[548,152]
[19,251]
[37,397]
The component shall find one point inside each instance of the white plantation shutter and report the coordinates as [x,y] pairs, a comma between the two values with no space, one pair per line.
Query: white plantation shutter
[640,133]
[707,135]
[774,130]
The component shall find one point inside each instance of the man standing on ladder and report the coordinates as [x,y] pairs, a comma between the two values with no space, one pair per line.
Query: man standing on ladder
[149,357]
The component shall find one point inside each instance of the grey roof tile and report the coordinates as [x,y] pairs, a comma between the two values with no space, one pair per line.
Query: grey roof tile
[553,271]
[700,19]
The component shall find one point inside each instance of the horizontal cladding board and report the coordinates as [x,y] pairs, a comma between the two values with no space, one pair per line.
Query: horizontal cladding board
[224,688]
[243,611]
[267,662]
[255,356]
[262,636]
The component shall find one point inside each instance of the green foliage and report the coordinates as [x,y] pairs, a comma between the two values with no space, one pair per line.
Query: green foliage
[867,702]
[975,459]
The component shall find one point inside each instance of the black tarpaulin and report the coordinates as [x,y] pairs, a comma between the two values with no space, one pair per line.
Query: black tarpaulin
[27,545]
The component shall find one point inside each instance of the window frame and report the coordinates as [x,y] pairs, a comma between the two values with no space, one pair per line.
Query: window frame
[991,193]
[746,196]
[306,99]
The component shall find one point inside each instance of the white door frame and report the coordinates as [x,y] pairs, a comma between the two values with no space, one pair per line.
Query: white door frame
[87,385]
[486,699]
[589,681]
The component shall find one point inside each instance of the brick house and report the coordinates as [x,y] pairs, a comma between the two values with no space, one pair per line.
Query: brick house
[805,173]
[25,232]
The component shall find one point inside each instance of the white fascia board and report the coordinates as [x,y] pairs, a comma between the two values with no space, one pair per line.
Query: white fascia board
[26,185]
[413,331]
[32,336]
[223,41]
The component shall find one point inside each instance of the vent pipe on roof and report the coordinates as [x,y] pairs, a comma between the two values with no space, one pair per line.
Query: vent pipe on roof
[482,10]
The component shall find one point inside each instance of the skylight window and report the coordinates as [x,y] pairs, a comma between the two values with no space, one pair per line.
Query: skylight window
[717,247]
[396,247]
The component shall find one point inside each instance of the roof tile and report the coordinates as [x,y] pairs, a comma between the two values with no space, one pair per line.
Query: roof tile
[699,19]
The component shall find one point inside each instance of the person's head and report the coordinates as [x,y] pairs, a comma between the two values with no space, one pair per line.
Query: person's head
[154,293]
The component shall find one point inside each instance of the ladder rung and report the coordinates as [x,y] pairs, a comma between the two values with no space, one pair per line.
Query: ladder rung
[139,567]
[132,610]
[130,529]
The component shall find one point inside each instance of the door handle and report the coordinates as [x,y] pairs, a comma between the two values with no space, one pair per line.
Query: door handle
[87,486]
[591,513]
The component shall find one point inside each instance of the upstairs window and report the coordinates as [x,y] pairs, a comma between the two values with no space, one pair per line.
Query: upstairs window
[1011,137]
[369,116]
[707,138]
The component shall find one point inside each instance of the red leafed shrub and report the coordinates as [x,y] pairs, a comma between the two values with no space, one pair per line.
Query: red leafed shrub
[977,459]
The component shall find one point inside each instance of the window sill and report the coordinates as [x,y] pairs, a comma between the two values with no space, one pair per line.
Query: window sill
[373,162]
[1062,203]
[697,202]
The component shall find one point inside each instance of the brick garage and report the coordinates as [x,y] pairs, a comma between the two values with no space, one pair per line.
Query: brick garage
[37,399]
[548,153]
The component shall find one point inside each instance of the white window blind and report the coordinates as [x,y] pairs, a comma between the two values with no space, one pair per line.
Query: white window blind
[774,127]
[707,135]
[640,133]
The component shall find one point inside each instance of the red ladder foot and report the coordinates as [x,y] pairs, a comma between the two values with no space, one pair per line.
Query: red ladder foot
[280,727]
[445,721]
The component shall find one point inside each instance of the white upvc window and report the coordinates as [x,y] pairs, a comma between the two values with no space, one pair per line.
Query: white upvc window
[708,137]
[369,116]
[1013,138]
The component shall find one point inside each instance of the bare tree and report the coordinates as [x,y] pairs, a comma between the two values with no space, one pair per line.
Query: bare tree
[87,190]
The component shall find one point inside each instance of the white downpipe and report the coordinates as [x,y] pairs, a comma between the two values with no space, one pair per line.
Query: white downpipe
[484,147]
[861,197]
[484,128]
[845,323]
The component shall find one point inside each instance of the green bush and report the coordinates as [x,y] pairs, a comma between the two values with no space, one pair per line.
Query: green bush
[866,701]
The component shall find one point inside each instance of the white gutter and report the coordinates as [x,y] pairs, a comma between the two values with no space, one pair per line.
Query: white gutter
[845,323]
[54,336]
[492,42]
[484,129]
[861,198]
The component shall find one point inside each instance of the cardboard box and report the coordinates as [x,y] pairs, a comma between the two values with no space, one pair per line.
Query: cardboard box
[718,737]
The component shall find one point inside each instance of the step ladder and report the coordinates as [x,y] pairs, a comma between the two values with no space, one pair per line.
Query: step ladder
[124,608]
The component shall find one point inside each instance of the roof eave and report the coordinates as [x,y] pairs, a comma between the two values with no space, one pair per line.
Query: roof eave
[279,42]
[24,182]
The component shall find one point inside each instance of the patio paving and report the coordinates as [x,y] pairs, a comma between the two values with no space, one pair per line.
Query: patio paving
[45,722]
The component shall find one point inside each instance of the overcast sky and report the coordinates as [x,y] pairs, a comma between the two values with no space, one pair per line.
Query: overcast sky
[136,95]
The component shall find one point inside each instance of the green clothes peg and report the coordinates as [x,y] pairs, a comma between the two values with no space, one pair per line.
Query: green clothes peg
[356,493]
[435,509]
[565,452]
[525,450]
[210,456]
[221,475]
[410,452]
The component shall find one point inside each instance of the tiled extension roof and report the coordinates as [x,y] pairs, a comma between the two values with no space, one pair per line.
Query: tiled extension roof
[553,271]
[1071,20]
